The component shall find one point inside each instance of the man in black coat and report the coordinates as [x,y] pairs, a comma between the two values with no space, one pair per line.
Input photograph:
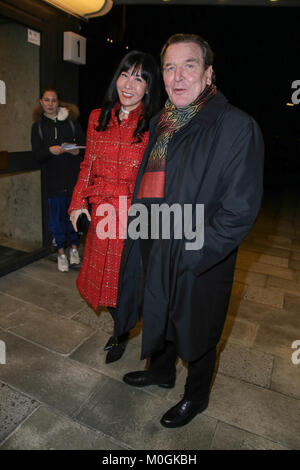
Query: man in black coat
[204,162]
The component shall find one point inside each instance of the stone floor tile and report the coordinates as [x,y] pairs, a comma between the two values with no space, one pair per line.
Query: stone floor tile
[269,296]
[286,376]
[253,279]
[277,328]
[232,438]
[280,240]
[137,423]
[295,255]
[239,331]
[101,320]
[197,435]
[294,264]
[291,286]
[42,294]
[47,430]
[246,364]
[47,329]
[272,242]
[295,246]
[46,376]
[276,339]
[248,310]
[292,302]
[296,276]
[268,269]
[8,305]
[266,249]
[274,260]
[257,410]
[14,408]
[264,225]
[284,230]
[247,257]
[48,272]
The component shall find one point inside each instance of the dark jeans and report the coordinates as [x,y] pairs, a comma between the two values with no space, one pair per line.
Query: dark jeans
[59,221]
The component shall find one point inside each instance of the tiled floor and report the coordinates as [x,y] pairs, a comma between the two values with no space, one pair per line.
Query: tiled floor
[58,393]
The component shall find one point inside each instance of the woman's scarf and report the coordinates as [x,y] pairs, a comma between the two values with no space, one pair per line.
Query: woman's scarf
[171,120]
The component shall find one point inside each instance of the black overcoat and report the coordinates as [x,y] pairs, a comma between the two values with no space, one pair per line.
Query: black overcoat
[215,160]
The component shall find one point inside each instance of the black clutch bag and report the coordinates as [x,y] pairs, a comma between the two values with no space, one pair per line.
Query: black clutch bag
[82,224]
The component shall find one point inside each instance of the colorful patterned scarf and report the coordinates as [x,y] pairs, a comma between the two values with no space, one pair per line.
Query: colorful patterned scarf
[171,120]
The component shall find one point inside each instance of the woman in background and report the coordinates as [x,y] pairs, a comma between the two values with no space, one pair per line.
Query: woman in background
[117,137]
[55,123]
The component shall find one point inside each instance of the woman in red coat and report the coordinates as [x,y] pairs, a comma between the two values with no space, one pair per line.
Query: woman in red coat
[117,137]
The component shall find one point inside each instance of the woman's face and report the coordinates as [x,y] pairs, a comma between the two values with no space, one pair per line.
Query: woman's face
[49,103]
[131,88]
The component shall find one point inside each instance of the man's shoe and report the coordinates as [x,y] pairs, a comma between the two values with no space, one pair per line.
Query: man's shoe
[116,347]
[183,413]
[142,379]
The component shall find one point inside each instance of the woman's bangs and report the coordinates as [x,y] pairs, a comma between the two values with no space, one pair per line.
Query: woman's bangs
[137,68]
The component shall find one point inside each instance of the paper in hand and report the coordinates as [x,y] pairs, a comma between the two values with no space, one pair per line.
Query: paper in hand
[66,146]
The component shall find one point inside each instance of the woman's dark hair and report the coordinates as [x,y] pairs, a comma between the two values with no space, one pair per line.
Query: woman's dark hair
[49,89]
[151,101]
[208,55]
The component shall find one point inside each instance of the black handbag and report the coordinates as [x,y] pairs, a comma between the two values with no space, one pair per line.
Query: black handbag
[82,224]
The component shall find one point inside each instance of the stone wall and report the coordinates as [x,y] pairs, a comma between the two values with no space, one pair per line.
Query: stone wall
[19,69]
[20,206]
[20,194]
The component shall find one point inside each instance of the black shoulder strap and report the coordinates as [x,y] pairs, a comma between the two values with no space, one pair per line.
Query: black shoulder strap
[40,130]
[71,124]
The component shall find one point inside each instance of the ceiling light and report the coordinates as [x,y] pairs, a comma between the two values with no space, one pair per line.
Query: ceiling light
[83,8]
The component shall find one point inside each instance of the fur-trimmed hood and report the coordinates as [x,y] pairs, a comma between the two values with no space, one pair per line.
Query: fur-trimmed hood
[65,110]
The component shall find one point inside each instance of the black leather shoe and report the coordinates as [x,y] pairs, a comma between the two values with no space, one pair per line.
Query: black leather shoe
[116,348]
[115,340]
[142,379]
[112,340]
[183,413]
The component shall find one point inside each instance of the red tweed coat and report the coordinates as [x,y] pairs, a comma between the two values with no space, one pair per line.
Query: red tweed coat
[115,163]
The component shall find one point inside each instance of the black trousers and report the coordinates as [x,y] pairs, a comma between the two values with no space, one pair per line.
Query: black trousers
[162,364]
[200,372]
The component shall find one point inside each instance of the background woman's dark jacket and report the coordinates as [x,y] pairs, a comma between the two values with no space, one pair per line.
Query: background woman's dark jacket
[60,171]
[215,160]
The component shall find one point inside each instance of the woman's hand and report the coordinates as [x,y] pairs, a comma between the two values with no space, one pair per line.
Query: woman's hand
[56,149]
[75,214]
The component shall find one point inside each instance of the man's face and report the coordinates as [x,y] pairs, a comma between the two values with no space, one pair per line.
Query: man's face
[184,74]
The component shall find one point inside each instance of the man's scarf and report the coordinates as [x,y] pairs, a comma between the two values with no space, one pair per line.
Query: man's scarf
[171,120]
